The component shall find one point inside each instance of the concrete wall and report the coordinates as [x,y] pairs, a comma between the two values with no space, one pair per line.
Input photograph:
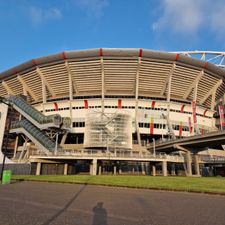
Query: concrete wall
[144,114]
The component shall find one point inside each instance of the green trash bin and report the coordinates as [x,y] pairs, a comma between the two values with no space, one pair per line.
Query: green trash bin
[6,176]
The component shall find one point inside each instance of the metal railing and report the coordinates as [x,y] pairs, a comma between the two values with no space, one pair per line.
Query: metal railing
[118,154]
[211,159]
[36,133]
[33,113]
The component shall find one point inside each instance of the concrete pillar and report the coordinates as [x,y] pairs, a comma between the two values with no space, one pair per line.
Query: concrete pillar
[16,146]
[99,170]
[153,170]
[93,167]
[143,168]
[164,168]
[188,163]
[120,171]
[65,169]
[147,166]
[38,170]
[196,163]
[114,170]
[173,171]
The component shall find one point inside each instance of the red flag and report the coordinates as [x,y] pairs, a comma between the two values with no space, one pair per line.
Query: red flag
[194,112]
[180,129]
[182,108]
[56,106]
[204,114]
[119,103]
[153,104]
[86,104]
[189,123]
[221,112]
[203,131]
[152,126]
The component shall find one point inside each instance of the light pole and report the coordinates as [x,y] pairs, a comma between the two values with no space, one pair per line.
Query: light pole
[7,138]
[153,140]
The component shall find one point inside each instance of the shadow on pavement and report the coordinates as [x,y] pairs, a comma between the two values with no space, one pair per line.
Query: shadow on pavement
[16,181]
[100,214]
[49,221]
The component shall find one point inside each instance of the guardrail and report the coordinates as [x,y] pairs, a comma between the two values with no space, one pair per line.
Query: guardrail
[212,159]
[118,154]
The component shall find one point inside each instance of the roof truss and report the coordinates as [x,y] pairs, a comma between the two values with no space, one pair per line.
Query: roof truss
[8,89]
[27,88]
[39,72]
[211,92]
[194,85]
[168,79]
[72,85]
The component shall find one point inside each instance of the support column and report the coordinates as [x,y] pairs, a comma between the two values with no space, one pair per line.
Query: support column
[99,170]
[164,168]
[136,97]
[173,171]
[15,147]
[196,163]
[143,168]
[147,168]
[93,167]
[63,140]
[38,170]
[188,161]
[65,169]
[153,170]
[114,170]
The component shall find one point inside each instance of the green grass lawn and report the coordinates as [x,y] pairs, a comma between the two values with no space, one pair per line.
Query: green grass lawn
[195,184]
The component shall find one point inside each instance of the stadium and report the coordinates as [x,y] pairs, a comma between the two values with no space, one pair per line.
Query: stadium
[106,102]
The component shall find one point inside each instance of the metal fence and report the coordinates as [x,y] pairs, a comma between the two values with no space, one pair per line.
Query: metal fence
[17,168]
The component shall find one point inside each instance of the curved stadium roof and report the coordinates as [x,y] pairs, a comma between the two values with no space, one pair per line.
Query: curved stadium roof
[119,72]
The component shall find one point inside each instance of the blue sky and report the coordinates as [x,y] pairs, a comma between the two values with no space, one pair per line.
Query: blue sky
[34,28]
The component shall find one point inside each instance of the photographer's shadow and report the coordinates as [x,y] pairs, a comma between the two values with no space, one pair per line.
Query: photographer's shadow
[100,214]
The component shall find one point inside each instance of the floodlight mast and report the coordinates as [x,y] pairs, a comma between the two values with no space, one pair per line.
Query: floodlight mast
[217,58]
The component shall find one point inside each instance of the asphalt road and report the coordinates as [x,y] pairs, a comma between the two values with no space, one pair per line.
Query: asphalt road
[34,203]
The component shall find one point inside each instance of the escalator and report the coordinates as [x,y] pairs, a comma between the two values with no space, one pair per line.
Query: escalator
[34,122]
[33,115]
[34,134]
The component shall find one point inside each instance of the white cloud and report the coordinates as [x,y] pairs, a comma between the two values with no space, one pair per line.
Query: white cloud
[93,7]
[217,22]
[191,16]
[40,15]
[180,16]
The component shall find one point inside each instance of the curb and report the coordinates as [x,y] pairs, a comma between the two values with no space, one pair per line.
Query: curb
[124,186]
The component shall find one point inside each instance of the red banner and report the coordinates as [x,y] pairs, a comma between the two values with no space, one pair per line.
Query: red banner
[86,104]
[189,124]
[203,131]
[56,106]
[194,112]
[152,126]
[153,104]
[204,114]
[119,103]
[182,109]
[180,129]
[221,112]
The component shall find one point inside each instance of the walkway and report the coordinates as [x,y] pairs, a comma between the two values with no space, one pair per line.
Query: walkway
[37,203]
